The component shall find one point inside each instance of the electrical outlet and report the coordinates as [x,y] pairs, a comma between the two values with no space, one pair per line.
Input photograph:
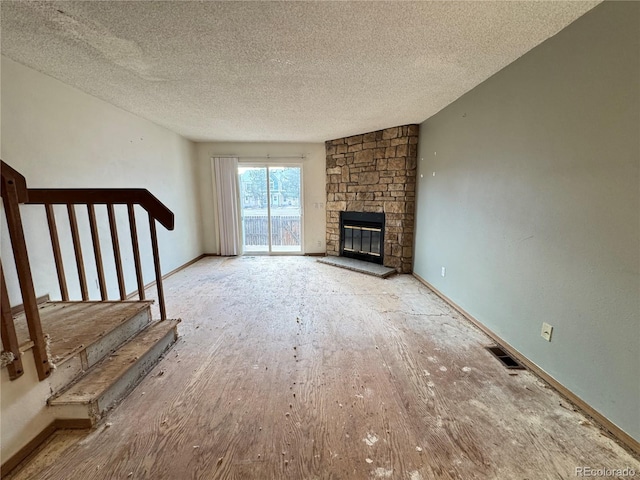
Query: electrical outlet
[547,330]
[443,272]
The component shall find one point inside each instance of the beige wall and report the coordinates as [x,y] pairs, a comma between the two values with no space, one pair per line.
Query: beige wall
[60,137]
[313,178]
[534,207]
[24,412]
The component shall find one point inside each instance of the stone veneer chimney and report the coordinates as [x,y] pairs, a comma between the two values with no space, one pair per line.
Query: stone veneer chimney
[375,172]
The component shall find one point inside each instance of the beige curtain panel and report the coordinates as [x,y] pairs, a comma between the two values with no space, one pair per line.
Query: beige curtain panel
[226,173]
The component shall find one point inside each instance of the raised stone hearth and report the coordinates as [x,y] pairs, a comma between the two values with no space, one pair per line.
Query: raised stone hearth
[375,172]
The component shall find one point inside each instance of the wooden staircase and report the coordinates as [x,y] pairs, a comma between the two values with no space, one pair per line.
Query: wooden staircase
[80,357]
[100,351]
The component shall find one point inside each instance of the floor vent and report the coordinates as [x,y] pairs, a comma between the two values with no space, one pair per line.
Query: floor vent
[506,359]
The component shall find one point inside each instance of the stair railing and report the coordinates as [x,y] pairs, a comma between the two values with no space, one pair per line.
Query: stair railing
[17,192]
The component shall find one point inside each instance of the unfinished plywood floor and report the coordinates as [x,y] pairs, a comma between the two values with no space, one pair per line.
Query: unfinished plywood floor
[291,369]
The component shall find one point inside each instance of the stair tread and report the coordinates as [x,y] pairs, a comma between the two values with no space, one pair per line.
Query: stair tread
[72,326]
[104,374]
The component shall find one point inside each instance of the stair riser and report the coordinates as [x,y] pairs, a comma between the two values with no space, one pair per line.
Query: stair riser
[66,372]
[115,338]
[120,388]
[126,383]
[75,411]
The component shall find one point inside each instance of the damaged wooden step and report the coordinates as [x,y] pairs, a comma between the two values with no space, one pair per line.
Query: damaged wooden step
[115,377]
[82,334]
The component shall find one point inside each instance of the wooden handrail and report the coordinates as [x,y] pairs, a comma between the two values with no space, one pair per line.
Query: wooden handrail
[113,196]
[110,196]
[16,178]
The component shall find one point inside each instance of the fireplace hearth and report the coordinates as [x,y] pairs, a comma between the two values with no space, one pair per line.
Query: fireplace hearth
[362,236]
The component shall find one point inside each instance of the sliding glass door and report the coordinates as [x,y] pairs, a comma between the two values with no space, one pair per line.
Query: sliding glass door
[285,209]
[271,208]
[253,209]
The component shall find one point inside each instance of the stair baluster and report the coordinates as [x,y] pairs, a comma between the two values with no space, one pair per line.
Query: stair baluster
[77,248]
[156,265]
[97,253]
[57,254]
[136,250]
[113,227]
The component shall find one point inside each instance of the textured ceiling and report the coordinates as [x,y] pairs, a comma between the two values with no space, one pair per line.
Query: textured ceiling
[277,71]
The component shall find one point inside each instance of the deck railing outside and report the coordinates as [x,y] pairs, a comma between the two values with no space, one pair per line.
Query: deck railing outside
[285,230]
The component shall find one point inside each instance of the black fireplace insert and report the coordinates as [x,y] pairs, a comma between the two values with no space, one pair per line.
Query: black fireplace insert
[362,236]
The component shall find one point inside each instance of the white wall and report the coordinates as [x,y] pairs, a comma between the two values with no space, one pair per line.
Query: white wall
[534,209]
[57,136]
[313,177]
[60,137]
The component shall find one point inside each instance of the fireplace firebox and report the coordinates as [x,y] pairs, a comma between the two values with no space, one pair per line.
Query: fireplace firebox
[362,236]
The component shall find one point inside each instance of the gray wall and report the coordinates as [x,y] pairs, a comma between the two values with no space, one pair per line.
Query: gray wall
[534,208]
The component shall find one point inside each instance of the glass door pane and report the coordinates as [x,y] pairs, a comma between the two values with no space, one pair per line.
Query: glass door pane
[253,208]
[285,209]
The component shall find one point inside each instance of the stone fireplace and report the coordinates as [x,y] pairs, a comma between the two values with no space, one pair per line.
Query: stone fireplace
[373,173]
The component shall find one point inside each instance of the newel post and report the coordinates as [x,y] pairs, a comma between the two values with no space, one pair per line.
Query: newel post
[11,196]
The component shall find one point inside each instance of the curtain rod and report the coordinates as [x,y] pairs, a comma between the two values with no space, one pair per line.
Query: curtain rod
[268,157]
